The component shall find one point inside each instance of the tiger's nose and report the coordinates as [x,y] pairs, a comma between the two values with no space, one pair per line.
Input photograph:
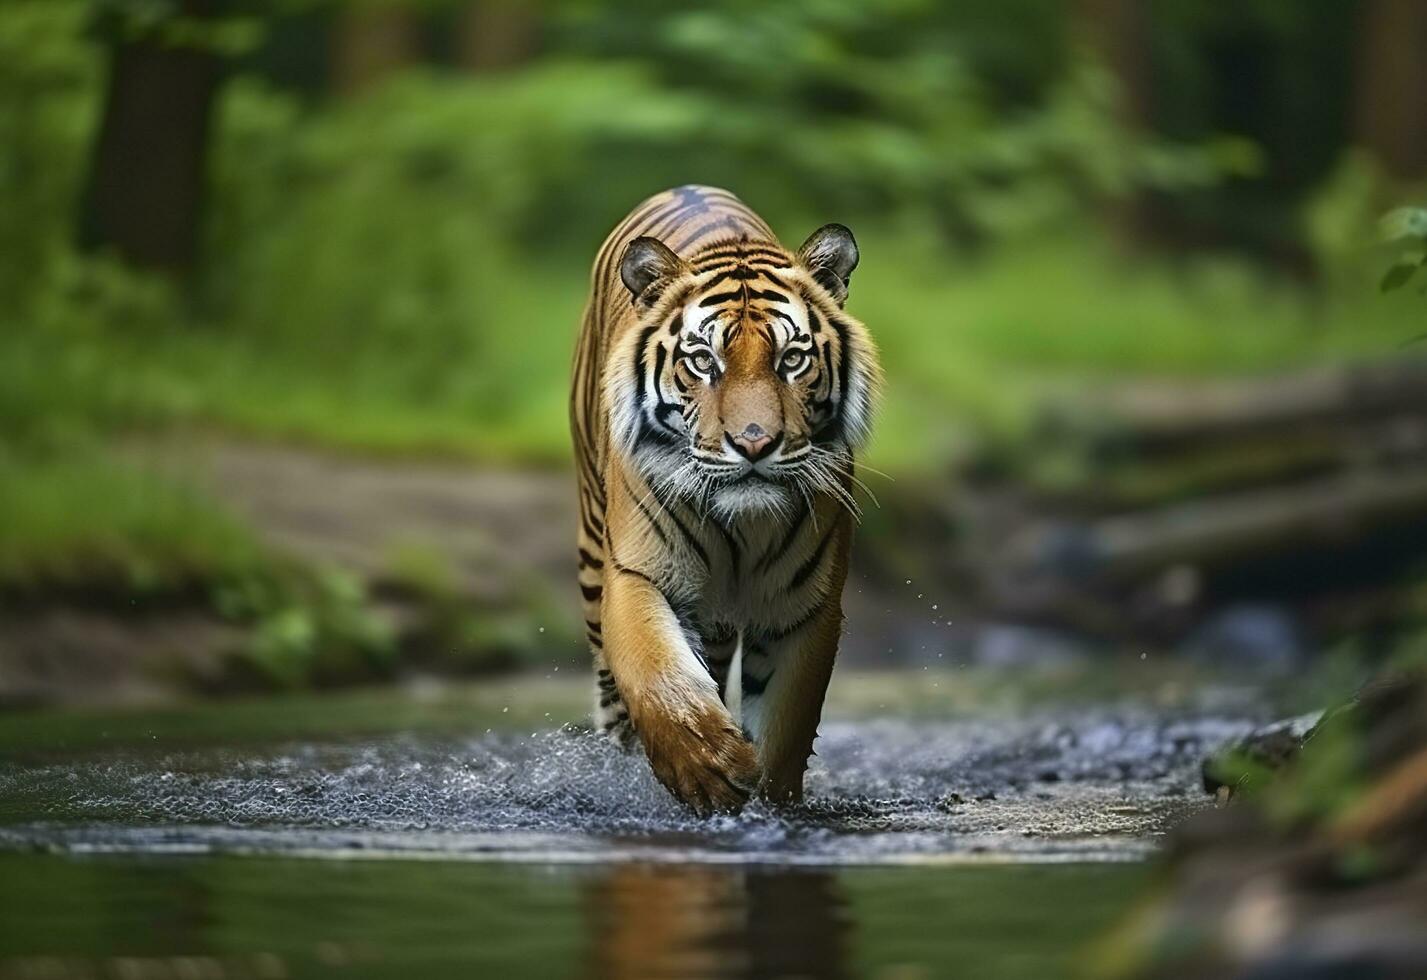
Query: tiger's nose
[753,442]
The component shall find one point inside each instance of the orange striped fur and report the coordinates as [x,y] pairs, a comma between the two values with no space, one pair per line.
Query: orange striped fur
[720,393]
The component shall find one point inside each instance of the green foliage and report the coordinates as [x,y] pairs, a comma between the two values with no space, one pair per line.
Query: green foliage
[893,108]
[96,524]
[308,626]
[469,635]
[1406,229]
[104,530]
[403,270]
[48,100]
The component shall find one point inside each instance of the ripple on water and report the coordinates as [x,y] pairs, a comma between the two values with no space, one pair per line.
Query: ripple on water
[1064,787]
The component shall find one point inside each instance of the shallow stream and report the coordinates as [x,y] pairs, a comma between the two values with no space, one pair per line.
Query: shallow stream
[995,846]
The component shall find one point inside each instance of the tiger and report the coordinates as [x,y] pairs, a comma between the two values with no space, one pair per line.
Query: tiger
[720,394]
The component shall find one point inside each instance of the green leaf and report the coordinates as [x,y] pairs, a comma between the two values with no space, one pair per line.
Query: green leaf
[1400,274]
[1403,223]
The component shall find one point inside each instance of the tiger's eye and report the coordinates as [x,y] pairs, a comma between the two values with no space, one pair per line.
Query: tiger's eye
[703,363]
[793,360]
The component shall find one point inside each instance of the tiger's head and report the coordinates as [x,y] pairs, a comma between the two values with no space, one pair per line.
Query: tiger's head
[745,386]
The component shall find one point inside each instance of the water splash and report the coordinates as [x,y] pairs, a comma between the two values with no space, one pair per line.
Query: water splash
[1056,787]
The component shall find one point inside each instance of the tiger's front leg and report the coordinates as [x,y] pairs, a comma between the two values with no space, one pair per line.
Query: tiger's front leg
[786,713]
[693,745]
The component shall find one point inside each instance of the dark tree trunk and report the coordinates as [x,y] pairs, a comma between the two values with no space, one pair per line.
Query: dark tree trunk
[1116,32]
[369,43]
[1392,85]
[496,34]
[144,195]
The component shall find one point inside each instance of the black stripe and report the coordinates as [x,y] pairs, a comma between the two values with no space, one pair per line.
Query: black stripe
[678,220]
[741,272]
[590,560]
[782,546]
[843,371]
[811,565]
[635,572]
[783,633]
[593,527]
[688,535]
[639,348]
[717,298]
[653,522]
[728,220]
[747,253]
[776,280]
[591,592]
[649,433]
[753,686]
[661,357]
[734,553]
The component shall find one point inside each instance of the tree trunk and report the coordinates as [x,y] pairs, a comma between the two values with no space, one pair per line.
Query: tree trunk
[145,189]
[370,42]
[1116,32]
[496,34]
[1392,85]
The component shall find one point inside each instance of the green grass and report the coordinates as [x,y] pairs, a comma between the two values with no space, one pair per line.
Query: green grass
[88,522]
[968,346]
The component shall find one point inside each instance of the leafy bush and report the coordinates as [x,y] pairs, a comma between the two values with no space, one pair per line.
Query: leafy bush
[48,100]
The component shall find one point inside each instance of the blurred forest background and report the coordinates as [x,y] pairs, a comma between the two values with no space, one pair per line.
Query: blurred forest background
[288,290]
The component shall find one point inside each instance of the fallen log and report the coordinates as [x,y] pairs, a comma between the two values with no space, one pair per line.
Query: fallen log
[1087,572]
[1166,416]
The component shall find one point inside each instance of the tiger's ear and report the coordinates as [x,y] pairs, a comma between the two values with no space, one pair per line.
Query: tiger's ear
[647,263]
[830,254]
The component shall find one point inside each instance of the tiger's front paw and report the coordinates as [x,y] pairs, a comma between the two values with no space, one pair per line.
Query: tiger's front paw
[707,763]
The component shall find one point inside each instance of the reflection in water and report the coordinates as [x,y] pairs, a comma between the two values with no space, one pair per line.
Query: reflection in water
[249,917]
[703,921]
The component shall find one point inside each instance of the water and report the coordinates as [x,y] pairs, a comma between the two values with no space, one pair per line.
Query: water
[997,846]
[263,917]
